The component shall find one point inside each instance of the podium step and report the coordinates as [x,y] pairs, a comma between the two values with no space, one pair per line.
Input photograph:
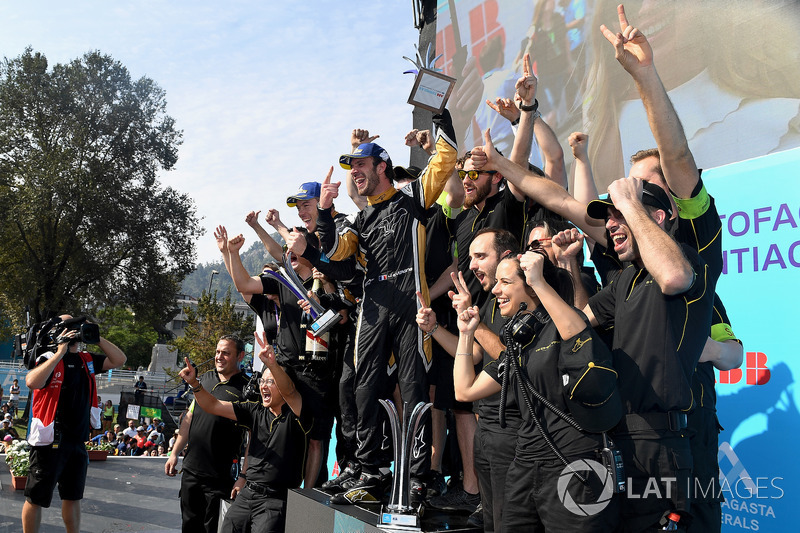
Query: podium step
[311,510]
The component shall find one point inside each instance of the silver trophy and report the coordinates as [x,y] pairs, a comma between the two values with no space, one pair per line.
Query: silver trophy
[324,319]
[399,514]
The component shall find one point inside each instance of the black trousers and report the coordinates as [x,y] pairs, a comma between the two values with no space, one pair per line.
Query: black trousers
[390,338]
[706,490]
[534,493]
[494,452]
[252,512]
[200,497]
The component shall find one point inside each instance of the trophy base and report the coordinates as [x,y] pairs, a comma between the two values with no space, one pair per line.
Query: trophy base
[399,521]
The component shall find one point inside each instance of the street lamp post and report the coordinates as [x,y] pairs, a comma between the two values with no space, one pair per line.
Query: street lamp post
[210,281]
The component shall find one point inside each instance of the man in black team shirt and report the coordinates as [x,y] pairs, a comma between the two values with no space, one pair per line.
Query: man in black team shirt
[279,426]
[213,443]
[313,375]
[660,306]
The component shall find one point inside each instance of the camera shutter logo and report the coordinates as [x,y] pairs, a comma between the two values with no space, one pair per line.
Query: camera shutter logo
[587,508]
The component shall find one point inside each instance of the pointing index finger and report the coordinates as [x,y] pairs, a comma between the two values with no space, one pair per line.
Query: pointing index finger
[327,179]
[526,66]
[421,299]
[623,20]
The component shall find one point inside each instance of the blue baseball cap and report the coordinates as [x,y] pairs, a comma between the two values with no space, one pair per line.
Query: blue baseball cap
[364,150]
[307,191]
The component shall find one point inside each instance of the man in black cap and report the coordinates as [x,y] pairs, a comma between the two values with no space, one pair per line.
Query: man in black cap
[660,306]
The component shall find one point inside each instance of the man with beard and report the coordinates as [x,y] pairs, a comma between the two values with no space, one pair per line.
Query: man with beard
[493,445]
[213,443]
[389,237]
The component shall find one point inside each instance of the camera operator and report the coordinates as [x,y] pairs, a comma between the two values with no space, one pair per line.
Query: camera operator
[63,393]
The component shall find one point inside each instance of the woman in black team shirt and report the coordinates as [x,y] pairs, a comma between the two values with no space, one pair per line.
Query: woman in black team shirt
[535,498]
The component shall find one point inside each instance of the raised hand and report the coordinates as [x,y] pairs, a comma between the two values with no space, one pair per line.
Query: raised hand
[624,192]
[296,243]
[411,138]
[505,108]
[252,218]
[461,297]
[532,263]
[273,218]
[631,47]
[526,85]
[468,320]
[328,191]
[188,373]
[567,245]
[425,141]
[359,137]
[221,235]
[579,142]
[266,354]
[235,244]
[426,317]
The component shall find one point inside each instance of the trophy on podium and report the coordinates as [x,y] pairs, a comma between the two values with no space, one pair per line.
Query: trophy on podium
[399,514]
[324,319]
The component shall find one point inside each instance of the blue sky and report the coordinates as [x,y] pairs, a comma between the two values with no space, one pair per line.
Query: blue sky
[266,93]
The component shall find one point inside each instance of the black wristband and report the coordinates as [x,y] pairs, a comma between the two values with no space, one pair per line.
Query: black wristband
[243,476]
[533,107]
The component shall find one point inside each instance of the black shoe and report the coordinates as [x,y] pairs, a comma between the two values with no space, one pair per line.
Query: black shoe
[476,519]
[368,489]
[417,492]
[345,480]
[436,484]
[457,500]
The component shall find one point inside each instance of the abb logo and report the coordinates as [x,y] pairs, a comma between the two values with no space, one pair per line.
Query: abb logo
[755,367]
[483,26]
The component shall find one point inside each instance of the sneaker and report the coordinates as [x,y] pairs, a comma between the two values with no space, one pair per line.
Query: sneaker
[436,484]
[457,500]
[476,519]
[417,492]
[345,480]
[368,489]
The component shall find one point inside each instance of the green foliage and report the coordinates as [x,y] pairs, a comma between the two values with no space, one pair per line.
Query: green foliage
[136,339]
[18,458]
[82,216]
[212,319]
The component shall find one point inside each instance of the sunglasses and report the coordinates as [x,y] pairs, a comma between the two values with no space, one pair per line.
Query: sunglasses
[537,244]
[473,174]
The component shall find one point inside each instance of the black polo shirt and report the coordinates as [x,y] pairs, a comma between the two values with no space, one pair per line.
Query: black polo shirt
[658,339]
[699,226]
[489,408]
[291,340]
[539,360]
[215,441]
[278,444]
[703,391]
[269,314]
[502,211]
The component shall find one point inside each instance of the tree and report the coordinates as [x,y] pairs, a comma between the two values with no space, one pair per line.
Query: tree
[83,220]
[136,339]
[205,325]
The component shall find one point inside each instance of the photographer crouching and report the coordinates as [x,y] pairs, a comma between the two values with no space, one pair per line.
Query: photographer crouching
[63,410]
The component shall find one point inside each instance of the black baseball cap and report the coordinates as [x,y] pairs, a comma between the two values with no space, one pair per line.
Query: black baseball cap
[406,173]
[652,195]
[590,382]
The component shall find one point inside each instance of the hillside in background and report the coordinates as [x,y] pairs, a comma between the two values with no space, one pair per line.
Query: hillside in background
[253,260]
